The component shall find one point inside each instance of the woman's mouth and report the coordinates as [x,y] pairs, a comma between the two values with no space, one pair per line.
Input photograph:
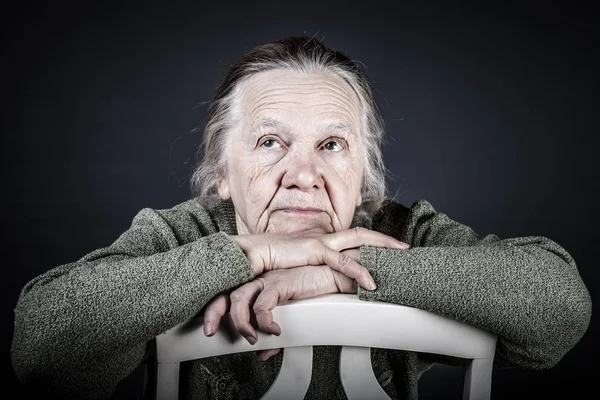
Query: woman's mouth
[301,210]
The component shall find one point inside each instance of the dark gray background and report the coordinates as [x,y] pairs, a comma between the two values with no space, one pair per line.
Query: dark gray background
[492,116]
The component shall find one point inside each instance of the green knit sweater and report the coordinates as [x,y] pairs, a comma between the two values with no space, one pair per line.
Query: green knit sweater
[82,327]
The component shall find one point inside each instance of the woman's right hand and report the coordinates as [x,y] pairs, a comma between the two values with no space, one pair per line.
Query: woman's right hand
[261,295]
[271,251]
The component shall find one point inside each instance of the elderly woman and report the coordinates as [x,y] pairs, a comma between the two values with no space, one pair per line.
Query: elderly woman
[289,202]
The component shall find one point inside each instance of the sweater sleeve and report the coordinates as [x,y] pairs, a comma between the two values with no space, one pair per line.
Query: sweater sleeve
[82,327]
[527,290]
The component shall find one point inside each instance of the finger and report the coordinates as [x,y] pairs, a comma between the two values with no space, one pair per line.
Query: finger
[343,283]
[263,309]
[353,254]
[213,313]
[347,266]
[264,355]
[241,298]
[358,236]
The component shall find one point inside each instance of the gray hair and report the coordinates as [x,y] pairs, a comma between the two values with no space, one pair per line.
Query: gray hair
[302,54]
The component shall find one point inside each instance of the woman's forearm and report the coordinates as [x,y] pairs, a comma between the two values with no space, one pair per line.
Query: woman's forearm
[526,290]
[84,326]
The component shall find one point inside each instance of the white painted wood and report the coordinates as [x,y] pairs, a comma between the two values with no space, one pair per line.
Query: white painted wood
[167,377]
[357,376]
[342,320]
[478,379]
[294,376]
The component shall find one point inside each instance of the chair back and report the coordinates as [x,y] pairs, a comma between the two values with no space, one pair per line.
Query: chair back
[339,320]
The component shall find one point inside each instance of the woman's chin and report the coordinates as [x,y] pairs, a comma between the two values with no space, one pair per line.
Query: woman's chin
[290,222]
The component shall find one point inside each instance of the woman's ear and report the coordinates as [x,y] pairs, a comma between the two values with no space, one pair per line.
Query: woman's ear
[223,189]
[359,199]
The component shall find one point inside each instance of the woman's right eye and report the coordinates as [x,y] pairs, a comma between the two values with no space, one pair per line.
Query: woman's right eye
[270,144]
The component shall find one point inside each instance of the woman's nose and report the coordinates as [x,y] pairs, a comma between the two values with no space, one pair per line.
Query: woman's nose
[303,172]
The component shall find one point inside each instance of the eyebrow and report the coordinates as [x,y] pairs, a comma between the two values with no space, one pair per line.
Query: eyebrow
[269,122]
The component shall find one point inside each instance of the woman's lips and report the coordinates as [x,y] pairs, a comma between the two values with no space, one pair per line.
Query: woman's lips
[301,210]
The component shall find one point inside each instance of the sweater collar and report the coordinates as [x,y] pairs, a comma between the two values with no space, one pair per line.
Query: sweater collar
[223,213]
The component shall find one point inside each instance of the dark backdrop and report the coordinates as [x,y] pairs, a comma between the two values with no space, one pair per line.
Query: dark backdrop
[492,115]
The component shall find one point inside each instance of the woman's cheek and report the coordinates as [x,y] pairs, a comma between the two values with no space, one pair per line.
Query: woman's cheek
[262,187]
[342,191]
[347,165]
[257,180]
[348,178]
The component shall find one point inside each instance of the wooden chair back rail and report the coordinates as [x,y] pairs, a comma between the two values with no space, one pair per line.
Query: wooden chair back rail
[339,320]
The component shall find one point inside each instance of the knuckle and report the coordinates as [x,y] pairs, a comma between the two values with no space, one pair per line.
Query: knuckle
[313,242]
[236,296]
[344,261]
[262,281]
[260,308]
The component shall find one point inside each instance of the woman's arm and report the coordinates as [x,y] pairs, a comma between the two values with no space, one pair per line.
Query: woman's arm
[82,327]
[527,289]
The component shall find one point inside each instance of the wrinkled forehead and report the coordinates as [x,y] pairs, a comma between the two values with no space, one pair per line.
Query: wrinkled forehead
[299,98]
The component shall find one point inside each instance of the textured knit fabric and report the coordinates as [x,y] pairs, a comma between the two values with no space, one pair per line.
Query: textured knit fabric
[82,327]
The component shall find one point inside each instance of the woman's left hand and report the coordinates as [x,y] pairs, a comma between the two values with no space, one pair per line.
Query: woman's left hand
[269,289]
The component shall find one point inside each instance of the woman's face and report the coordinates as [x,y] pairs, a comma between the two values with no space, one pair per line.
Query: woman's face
[296,157]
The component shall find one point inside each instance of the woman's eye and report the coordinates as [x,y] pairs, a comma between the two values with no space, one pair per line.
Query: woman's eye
[270,144]
[333,145]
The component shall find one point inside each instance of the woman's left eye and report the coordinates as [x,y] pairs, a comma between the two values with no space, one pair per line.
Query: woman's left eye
[334,145]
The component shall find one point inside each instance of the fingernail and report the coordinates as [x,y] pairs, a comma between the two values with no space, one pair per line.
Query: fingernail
[371,284]
[250,339]
[403,245]
[275,329]
[208,327]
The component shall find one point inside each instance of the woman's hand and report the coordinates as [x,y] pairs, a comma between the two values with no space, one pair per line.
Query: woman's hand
[268,252]
[266,291]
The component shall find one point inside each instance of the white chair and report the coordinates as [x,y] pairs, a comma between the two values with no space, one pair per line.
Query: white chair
[332,321]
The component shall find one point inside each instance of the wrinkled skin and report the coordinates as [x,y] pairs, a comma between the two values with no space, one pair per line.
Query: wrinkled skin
[297,157]
[294,176]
